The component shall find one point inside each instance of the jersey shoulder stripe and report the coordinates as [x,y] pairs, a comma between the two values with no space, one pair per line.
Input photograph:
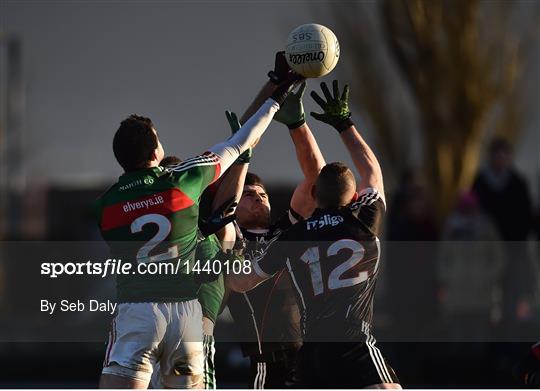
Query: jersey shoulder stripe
[366,197]
[206,159]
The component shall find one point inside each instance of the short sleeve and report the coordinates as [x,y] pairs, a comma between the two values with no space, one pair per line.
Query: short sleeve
[369,209]
[194,175]
[271,259]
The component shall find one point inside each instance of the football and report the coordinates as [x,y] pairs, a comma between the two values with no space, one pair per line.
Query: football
[312,50]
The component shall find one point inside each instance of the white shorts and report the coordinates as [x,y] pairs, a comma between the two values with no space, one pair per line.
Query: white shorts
[143,334]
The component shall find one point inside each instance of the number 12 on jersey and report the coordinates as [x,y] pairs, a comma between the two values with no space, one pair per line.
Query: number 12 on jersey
[335,281]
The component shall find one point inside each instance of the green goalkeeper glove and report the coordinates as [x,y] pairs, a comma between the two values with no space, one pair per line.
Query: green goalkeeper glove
[336,108]
[245,157]
[291,113]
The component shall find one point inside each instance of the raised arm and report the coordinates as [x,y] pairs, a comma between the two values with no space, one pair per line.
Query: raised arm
[278,75]
[231,186]
[265,92]
[364,160]
[308,153]
[337,114]
[232,182]
[246,136]
[250,132]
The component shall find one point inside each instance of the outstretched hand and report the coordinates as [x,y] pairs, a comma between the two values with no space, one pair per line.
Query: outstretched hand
[336,107]
[291,112]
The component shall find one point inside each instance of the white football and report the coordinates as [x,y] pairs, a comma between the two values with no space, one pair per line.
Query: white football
[312,50]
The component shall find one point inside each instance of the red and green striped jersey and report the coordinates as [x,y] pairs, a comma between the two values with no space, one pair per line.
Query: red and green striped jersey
[151,215]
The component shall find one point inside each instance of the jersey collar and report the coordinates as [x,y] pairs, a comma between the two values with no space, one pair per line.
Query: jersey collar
[150,171]
[261,231]
[254,234]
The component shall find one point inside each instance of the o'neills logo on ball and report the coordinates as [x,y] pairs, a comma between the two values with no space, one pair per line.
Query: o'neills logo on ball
[306,57]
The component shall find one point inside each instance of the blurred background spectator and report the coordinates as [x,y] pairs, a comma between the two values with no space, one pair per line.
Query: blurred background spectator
[411,228]
[469,263]
[504,193]
[504,196]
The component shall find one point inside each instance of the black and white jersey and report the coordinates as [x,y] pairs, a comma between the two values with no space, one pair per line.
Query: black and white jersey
[333,261]
[267,318]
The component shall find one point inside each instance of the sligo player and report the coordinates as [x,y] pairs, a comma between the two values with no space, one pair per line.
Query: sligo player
[268,317]
[333,258]
[156,209]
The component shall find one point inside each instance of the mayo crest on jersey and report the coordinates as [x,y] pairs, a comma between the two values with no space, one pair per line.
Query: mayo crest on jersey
[151,215]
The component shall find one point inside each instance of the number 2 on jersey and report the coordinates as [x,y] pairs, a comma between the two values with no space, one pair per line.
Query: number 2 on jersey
[164,228]
[312,257]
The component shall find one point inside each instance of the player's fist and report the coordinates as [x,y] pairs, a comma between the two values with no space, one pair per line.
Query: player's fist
[219,218]
[281,69]
[286,86]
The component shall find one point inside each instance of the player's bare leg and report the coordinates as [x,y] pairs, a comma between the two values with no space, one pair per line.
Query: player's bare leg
[386,386]
[113,381]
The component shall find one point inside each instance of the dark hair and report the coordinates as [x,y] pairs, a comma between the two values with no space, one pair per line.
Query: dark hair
[253,180]
[334,185]
[499,144]
[134,142]
[170,161]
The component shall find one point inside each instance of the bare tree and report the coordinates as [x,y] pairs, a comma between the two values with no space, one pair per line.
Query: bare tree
[460,63]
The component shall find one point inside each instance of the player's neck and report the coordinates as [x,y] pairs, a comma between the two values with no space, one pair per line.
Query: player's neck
[152,164]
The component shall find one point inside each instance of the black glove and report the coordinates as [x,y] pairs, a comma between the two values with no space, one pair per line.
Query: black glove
[286,86]
[336,108]
[217,220]
[240,244]
[281,69]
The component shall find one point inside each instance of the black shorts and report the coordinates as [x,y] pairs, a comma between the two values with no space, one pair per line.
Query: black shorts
[274,370]
[343,365]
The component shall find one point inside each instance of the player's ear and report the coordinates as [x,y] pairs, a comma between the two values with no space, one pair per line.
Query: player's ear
[355,197]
